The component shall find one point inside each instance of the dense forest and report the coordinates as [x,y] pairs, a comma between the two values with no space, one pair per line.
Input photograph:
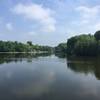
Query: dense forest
[9,46]
[81,45]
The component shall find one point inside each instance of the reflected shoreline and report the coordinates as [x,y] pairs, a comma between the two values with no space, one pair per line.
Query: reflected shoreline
[16,57]
[76,64]
[83,65]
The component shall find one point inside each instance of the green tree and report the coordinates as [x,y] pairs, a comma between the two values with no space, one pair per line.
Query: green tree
[71,45]
[62,47]
[8,46]
[97,35]
[29,43]
[82,45]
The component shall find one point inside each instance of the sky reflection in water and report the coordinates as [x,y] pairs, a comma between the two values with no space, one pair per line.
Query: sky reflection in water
[25,77]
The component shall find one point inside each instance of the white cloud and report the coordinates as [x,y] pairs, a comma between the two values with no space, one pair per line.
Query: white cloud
[89,18]
[88,12]
[9,26]
[37,12]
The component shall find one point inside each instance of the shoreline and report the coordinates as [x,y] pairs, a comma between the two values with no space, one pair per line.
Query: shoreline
[23,52]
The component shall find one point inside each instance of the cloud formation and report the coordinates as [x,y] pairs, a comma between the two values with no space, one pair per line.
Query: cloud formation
[88,12]
[89,17]
[39,13]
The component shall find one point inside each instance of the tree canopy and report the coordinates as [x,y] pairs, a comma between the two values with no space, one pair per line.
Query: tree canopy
[61,47]
[97,35]
[81,45]
[9,46]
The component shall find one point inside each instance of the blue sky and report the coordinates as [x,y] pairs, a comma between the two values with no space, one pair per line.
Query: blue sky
[47,22]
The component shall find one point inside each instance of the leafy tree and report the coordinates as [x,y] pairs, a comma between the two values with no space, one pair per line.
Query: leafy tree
[97,35]
[29,43]
[62,47]
[86,45]
[8,46]
[71,45]
[82,45]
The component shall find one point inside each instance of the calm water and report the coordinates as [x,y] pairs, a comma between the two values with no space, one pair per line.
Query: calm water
[48,77]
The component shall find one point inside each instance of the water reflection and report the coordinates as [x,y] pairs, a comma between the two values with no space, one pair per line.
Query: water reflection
[23,80]
[16,57]
[84,65]
[60,55]
[31,77]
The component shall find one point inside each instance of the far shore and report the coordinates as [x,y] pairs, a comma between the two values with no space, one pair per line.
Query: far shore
[26,52]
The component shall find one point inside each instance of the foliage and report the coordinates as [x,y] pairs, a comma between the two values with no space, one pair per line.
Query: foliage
[29,43]
[82,45]
[8,46]
[97,35]
[61,48]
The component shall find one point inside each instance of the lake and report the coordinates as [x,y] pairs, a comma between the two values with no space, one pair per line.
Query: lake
[48,77]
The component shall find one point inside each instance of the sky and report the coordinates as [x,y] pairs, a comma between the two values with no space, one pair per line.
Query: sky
[47,22]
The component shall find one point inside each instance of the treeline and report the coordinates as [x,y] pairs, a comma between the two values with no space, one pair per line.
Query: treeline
[9,46]
[62,47]
[81,45]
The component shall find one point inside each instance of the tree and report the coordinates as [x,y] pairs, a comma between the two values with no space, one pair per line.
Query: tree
[97,35]
[29,43]
[82,45]
[71,45]
[86,45]
[62,47]
[8,46]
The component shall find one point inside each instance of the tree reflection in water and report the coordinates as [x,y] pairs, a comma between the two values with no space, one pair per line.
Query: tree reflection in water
[84,65]
[77,64]
[16,57]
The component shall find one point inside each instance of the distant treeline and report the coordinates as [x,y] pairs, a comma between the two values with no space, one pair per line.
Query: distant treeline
[9,46]
[81,45]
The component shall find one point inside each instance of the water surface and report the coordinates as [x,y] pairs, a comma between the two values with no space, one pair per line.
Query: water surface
[48,77]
